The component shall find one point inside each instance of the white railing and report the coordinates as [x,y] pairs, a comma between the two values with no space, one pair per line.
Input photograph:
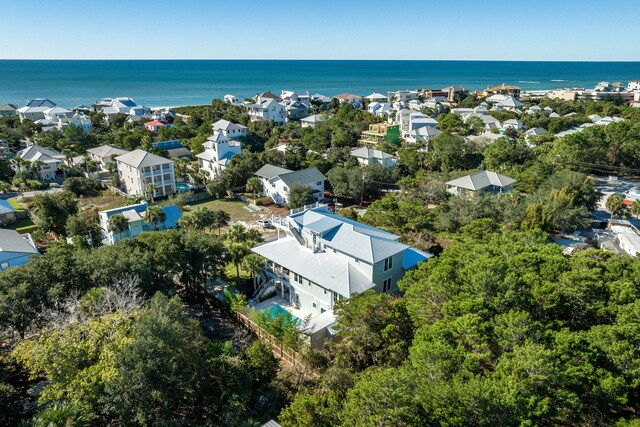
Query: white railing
[305,207]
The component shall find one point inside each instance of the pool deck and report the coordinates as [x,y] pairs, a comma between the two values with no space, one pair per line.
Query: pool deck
[271,302]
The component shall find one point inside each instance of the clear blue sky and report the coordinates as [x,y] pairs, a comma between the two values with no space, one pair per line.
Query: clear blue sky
[321,29]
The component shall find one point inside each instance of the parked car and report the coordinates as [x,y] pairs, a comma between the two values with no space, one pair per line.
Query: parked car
[264,223]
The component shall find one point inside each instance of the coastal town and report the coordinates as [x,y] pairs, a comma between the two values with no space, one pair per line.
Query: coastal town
[319,225]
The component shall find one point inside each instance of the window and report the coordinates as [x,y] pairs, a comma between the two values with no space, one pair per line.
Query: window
[315,305]
[297,278]
[319,183]
[386,285]
[388,263]
[324,291]
[336,297]
[322,310]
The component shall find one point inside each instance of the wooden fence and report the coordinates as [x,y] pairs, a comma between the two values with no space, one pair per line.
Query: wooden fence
[281,351]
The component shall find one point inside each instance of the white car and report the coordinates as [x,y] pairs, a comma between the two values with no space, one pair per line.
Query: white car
[264,223]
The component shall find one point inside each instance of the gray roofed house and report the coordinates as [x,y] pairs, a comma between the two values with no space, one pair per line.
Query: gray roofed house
[140,158]
[278,181]
[105,154]
[139,169]
[51,160]
[15,249]
[369,156]
[323,258]
[313,120]
[481,182]
[8,110]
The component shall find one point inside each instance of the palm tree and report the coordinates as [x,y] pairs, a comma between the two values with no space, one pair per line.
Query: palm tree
[36,167]
[203,218]
[615,205]
[155,215]
[253,263]
[181,167]
[237,253]
[254,185]
[634,209]
[118,224]
[150,190]
[221,219]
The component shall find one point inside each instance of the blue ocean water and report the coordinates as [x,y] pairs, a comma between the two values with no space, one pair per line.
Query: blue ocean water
[192,82]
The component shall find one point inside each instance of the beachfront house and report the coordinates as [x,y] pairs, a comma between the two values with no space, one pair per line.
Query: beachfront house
[35,108]
[322,258]
[15,249]
[8,110]
[480,182]
[220,148]
[291,96]
[44,161]
[136,224]
[231,99]
[368,156]
[376,97]
[139,169]
[278,181]
[350,98]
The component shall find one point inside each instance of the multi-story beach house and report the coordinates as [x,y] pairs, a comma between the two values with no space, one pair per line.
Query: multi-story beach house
[277,182]
[322,258]
[350,98]
[267,108]
[220,148]
[138,169]
[136,224]
[35,108]
[105,154]
[46,161]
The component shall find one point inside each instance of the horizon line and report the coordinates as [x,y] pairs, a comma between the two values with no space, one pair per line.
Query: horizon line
[319,59]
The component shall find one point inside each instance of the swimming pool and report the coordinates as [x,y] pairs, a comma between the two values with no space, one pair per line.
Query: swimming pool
[181,188]
[277,310]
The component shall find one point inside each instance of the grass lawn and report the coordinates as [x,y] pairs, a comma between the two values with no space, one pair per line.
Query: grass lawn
[24,225]
[14,202]
[105,201]
[233,207]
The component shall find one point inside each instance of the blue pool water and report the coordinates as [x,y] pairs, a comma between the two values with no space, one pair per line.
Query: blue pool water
[276,310]
[181,188]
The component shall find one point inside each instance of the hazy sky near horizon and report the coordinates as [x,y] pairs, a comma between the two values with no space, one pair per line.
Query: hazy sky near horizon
[325,29]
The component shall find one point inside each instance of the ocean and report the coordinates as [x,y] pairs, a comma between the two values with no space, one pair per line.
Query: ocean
[158,83]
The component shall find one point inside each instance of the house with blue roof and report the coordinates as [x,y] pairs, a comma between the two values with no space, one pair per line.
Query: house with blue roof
[134,214]
[323,258]
[7,213]
[15,249]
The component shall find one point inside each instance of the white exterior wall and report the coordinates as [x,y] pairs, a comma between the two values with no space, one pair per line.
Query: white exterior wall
[279,191]
[136,180]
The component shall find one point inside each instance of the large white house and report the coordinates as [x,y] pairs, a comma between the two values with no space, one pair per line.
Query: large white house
[220,148]
[122,105]
[138,169]
[267,108]
[277,182]
[324,258]
[35,108]
[48,161]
